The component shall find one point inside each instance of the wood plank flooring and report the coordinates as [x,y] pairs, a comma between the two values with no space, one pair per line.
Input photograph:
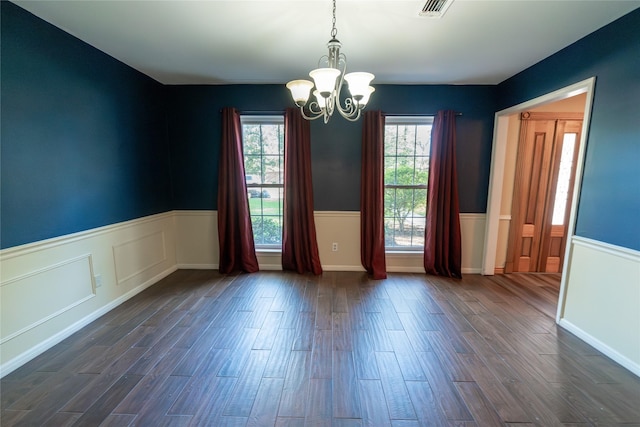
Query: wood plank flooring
[281,349]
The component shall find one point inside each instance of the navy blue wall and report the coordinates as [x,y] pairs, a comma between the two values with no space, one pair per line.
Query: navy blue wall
[194,129]
[194,123]
[88,141]
[84,141]
[609,204]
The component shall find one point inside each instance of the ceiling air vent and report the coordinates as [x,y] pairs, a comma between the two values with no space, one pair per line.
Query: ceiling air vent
[435,8]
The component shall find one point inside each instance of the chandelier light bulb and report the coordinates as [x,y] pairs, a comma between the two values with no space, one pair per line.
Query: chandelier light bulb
[325,80]
[359,84]
[365,97]
[321,100]
[300,90]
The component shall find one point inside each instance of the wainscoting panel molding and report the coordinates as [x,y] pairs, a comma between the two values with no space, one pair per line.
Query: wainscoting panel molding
[38,296]
[600,299]
[51,289]
[136,256]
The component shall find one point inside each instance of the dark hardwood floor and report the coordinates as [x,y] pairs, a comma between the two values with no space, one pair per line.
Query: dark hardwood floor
[282,349]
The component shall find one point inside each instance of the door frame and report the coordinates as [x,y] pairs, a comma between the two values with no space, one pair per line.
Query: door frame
[496,175]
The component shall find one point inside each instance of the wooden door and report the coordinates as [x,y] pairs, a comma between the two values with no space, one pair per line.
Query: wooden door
[536,241]
[560,194]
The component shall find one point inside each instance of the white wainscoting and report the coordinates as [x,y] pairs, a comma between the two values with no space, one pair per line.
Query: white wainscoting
[138,255]
[48,289]
[197,239]
[600,299]
[51,289]
[197,243]
[342,228]
[35,291]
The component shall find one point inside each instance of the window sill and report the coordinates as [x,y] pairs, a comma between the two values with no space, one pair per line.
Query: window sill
[405,254]
[268,250]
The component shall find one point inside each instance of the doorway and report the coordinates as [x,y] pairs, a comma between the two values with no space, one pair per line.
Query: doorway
[543,187]
[494,218]
[497,174]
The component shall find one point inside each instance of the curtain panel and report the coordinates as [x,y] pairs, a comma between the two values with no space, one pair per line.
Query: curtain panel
[372,251]
[235,234]
[299,243]
[442,245]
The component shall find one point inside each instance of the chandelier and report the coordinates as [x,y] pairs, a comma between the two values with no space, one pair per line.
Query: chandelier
[328,84]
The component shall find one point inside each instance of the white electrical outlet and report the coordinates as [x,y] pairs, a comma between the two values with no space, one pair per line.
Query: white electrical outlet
[98,279]
[334,247]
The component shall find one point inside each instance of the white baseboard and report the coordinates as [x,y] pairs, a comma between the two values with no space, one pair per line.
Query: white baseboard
[13,364]
[343,268]
[600,346]
[198,266]
[600,299]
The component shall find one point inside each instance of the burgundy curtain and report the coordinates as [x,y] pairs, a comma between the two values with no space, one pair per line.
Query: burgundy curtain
[235,235]
[442,245]
[299,244]
[372,196]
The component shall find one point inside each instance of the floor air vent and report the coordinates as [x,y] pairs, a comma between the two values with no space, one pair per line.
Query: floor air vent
[435,8]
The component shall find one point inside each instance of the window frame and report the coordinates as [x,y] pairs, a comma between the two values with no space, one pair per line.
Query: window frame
[271,119]
[416,120]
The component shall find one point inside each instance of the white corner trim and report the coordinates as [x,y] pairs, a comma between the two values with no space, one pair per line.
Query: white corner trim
[332,214]
[618,251]
[473,216]
[70,238]
[204,213]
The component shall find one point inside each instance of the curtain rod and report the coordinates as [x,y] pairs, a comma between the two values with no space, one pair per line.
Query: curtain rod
[416,114]
[258,112]
[266,112]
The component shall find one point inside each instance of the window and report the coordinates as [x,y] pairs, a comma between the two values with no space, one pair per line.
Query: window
[564,179]
[407,141]
[263,146]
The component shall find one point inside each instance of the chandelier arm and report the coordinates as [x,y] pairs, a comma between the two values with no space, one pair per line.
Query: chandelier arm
[348,110]
[310,117]
[324,59]
[352,117]
[313,115]
[330,104]
[314,108]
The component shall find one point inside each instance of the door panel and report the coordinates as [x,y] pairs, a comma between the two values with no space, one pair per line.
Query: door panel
[532,179]
[559,196]
[545,173]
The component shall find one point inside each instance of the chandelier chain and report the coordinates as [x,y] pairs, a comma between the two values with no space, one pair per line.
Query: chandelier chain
[334,31]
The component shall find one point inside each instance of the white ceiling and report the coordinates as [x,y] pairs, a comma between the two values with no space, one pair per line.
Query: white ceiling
[261,41]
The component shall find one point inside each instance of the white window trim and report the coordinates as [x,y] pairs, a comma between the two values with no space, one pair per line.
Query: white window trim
[406,120]
[260,120]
